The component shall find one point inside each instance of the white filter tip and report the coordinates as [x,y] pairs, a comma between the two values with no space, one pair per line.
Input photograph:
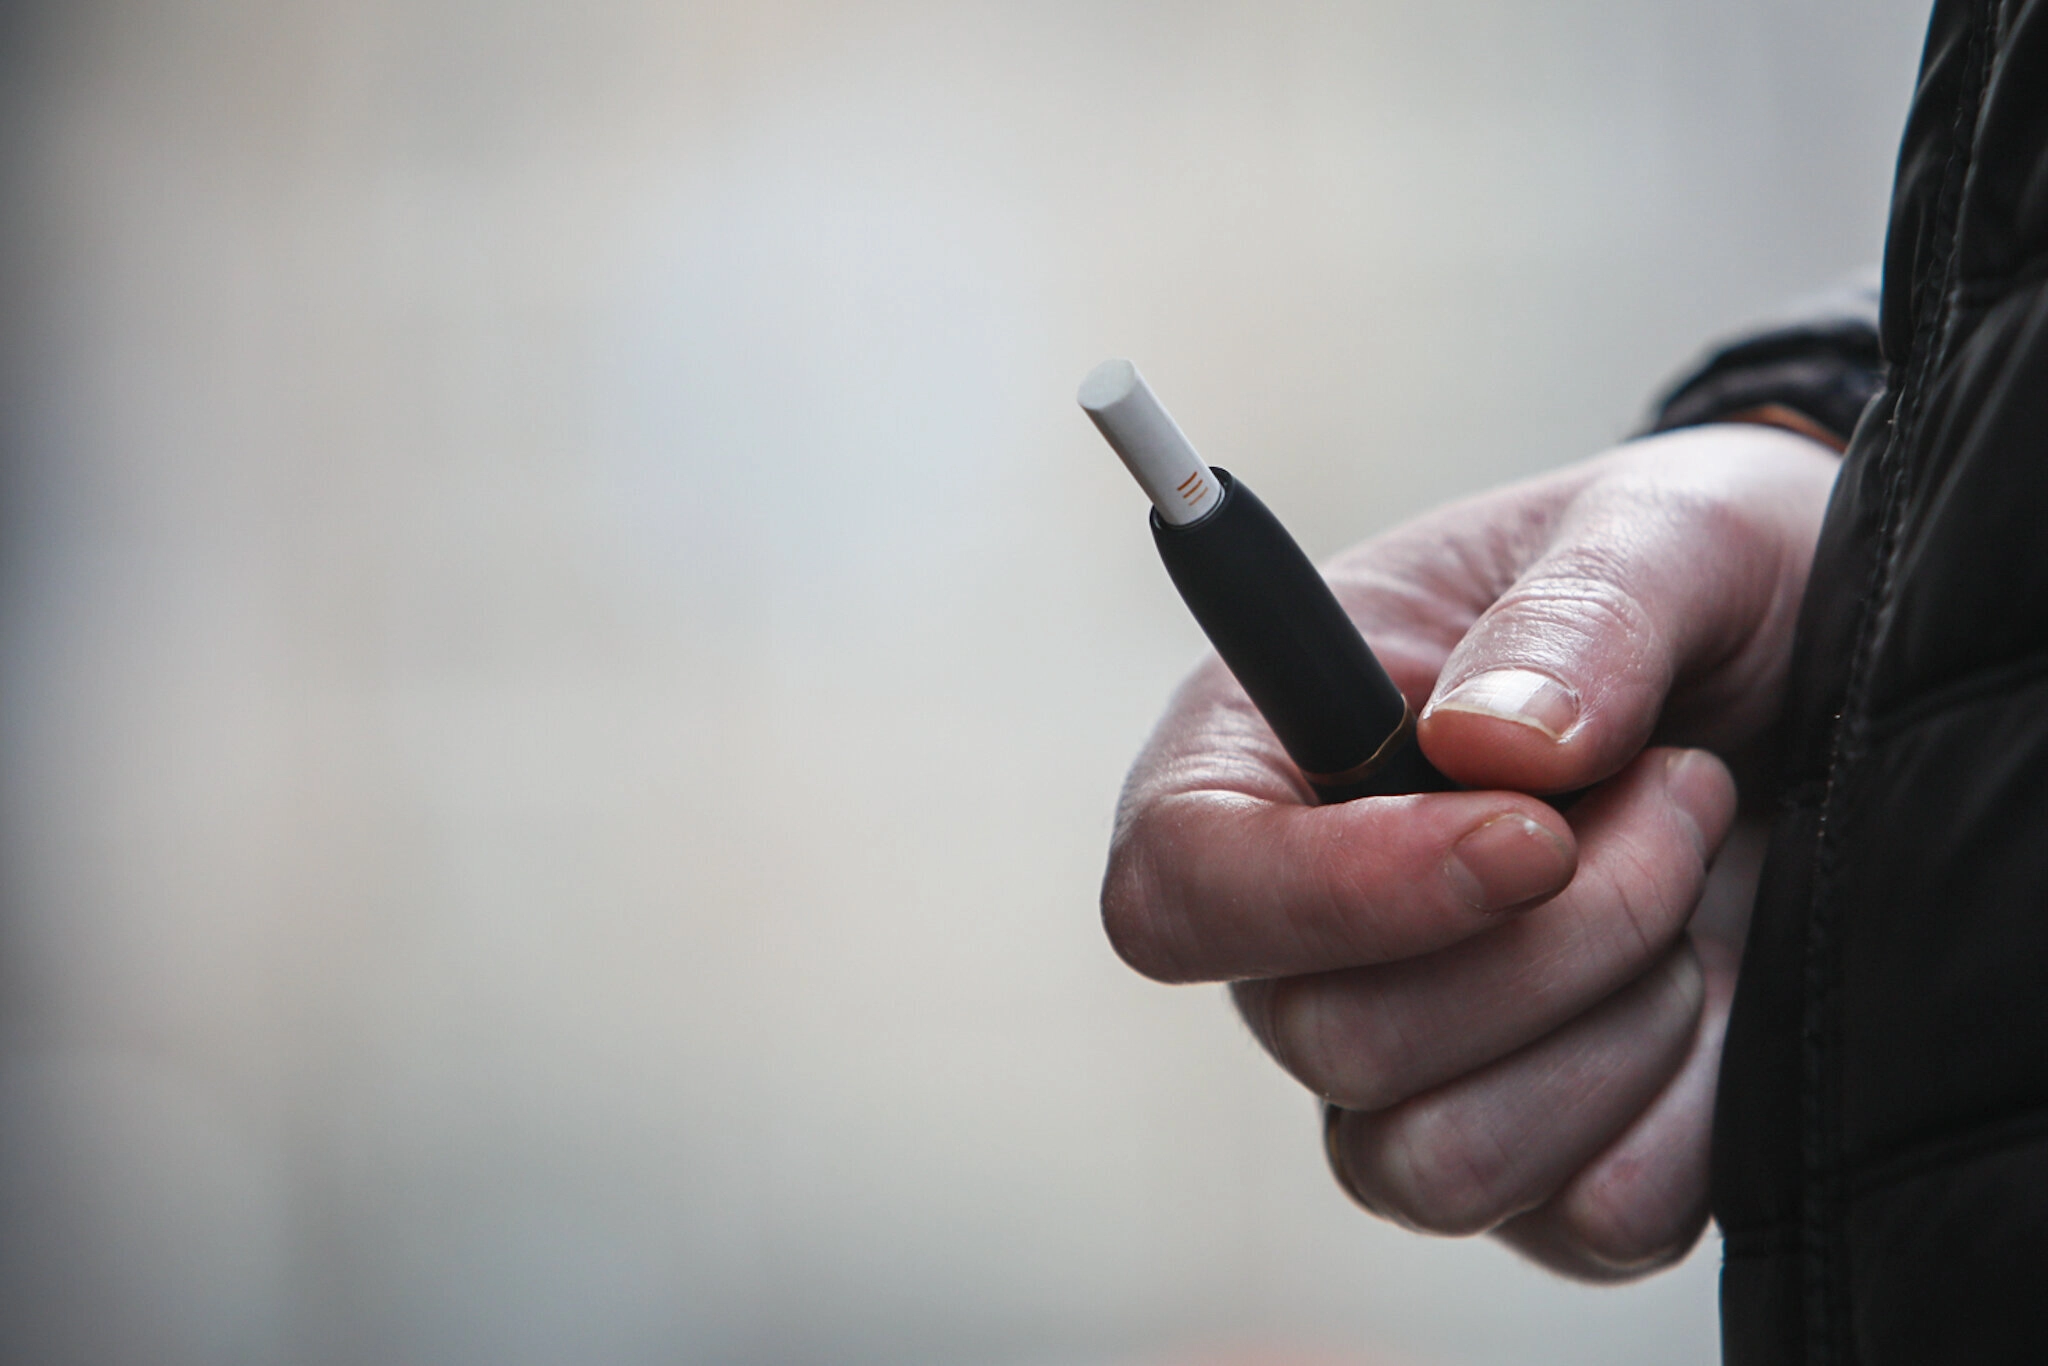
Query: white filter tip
[1150,443]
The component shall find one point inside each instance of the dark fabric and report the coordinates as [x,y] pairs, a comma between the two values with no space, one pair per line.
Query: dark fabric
[1822,363]
[1881,1140]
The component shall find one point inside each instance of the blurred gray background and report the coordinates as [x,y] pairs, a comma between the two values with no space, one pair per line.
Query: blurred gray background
[567,655]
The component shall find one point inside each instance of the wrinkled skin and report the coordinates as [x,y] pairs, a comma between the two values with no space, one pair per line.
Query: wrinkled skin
[1519,1009]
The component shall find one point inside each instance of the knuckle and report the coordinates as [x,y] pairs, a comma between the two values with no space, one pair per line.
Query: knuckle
[1683,986]
[1650,903]
[1253,997]
[1618,1227]
[1140,928]
[1438,1175]
[1333,1037]
[1584,588]
[1633,1215]
[1298,1026]
[1607,1222]
[1373,1084]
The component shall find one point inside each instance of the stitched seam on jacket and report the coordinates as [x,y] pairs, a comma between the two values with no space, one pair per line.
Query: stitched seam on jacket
[1823,1236]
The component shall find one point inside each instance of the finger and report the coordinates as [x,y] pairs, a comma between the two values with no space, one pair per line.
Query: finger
[1212,885]
[1463,1158]
[1650,579]
[1642,1203]
[1369,1038]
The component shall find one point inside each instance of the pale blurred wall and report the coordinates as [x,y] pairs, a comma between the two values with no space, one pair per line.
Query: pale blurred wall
[567,655]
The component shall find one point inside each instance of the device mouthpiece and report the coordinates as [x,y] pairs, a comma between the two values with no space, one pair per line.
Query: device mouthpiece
[1150,443]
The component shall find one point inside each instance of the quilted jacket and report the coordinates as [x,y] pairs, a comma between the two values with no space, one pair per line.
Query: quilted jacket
[1881,1135]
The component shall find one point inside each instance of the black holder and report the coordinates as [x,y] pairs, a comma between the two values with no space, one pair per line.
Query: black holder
[1295,650]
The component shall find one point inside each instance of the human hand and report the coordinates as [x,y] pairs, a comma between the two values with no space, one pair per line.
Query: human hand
[1507,1002]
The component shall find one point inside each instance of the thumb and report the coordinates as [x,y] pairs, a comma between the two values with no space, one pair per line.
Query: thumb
[1650,584]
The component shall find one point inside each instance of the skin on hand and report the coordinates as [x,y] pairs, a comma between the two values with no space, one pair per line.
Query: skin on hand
[1519,1009]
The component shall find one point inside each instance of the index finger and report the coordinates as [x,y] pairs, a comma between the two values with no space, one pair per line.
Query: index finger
[1218,870]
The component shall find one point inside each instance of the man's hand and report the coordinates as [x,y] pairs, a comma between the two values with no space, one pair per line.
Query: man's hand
[1507,1002]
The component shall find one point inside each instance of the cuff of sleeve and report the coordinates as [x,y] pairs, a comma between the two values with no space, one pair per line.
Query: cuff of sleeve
[1813,377]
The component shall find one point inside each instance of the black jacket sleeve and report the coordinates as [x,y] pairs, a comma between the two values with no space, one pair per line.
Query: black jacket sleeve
[1820,364]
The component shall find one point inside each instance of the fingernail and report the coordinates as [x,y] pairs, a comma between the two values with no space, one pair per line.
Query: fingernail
[1699,787]
[1507,861]
[1523,696]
